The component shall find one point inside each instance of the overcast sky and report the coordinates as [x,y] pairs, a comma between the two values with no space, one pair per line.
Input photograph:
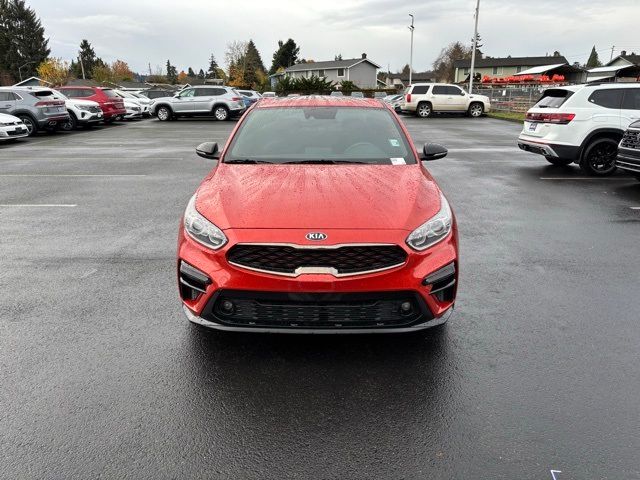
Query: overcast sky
[187,32]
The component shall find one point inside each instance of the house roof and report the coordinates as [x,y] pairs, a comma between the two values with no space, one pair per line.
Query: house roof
[404,77]
[510,62]
[80,82]
[633,59]
[539,70]
[30,80]
[610,68]
[301,67]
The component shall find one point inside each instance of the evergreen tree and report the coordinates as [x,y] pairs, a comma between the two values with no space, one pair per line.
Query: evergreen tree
[190,72]
[212,71]
[172,73]
[337,57]
[593,61]
[201,74]
[21,39]
[479,45]
[252,65]
[285,56]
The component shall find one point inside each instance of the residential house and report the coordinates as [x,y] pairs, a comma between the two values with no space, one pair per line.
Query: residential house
[401,80]
[502,67]
[360,71]
[623,68]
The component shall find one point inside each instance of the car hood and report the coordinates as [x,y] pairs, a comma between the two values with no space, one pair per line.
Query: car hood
[386,197]
[84,103]
[6,118]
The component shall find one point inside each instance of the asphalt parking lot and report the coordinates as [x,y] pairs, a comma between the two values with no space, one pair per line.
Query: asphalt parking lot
[103,377]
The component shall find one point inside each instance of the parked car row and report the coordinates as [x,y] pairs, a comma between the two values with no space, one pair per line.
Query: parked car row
[66,108]
[586,124]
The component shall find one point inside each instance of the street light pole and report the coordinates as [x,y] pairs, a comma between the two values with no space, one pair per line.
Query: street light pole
[411,27]
[473,52]
[22,66]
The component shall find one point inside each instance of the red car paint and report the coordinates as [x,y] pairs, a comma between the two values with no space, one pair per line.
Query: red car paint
[351,204]
[111,106]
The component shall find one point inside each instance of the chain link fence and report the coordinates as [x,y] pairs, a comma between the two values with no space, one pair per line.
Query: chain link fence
[509,99]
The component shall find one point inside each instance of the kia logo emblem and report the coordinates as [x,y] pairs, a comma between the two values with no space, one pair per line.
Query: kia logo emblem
[316,236]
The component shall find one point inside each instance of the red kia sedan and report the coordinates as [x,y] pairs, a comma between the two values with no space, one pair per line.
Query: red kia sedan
[111,104]
[319,217]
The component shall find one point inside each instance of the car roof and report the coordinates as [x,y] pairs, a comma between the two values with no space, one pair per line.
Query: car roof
[319,101]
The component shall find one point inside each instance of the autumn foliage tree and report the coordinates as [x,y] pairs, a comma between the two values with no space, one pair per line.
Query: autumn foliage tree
[54,70]
[120,71]
[182,77]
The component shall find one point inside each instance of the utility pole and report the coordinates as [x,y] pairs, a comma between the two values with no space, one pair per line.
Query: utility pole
[612,48]
[411,27]
[81,66]
[473,52]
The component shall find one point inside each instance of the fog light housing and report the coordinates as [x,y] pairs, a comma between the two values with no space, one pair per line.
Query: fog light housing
[227,307]
[442,283]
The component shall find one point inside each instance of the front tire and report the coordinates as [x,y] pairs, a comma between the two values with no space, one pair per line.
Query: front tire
[599,159]
[221,113]
[559,162]
[475,110]
[70,124]
[164,114]
[424,110]
[30,123]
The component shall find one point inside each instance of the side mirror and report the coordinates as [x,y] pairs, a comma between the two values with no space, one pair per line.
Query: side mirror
[208,150]
[463,93]
[433,151]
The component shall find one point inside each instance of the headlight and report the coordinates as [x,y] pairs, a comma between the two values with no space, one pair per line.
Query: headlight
[434,230]
[201,229]
[83,107]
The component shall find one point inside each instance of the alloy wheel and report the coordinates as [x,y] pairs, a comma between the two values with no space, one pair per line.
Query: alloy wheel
[476,110]
[602,159]
[424,110]
[29,124]
[221,113]
[163,114]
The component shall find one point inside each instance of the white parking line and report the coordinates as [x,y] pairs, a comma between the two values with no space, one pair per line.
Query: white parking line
[634,208]
[41,205]
[66,175]
[625,179]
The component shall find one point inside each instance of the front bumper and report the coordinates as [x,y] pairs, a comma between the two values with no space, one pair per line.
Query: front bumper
[13,131]
[407,279]
[629,160]
[87,117]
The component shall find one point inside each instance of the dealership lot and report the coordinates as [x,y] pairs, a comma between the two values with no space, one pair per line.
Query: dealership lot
[102,374]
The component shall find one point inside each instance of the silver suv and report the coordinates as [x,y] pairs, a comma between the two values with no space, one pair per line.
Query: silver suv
[34,106]
[221,102]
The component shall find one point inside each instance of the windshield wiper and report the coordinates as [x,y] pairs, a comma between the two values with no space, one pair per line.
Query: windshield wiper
[246,160]
[325,161]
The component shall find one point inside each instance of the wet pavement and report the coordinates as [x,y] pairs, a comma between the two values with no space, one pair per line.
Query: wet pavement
[103,377]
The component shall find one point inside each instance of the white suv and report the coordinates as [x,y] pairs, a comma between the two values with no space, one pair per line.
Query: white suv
[581,124]
[426,98]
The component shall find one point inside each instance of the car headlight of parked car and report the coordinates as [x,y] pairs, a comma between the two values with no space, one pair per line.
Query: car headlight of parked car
[201,229]
[434,230]
[83,107]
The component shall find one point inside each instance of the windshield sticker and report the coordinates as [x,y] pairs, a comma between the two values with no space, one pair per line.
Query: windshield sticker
[397,161]
[394,142]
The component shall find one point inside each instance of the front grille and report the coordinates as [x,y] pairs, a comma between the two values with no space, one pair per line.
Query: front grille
[340,261]
[14,133]
[241,308]
[631,139]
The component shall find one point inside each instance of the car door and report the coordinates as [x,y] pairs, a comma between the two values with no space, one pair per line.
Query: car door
[183,102]
[457,99]
[439,97]
[7,102]
[630,111]
[203,99]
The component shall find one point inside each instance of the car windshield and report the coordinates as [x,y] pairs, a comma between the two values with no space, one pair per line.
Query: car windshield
[320,135]
[109,93]
[60,95]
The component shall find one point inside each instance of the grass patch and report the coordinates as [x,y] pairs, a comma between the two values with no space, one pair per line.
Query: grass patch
[509,116]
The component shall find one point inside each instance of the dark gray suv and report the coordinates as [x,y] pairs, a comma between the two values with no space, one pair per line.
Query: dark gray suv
[34,106]
[220,102]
